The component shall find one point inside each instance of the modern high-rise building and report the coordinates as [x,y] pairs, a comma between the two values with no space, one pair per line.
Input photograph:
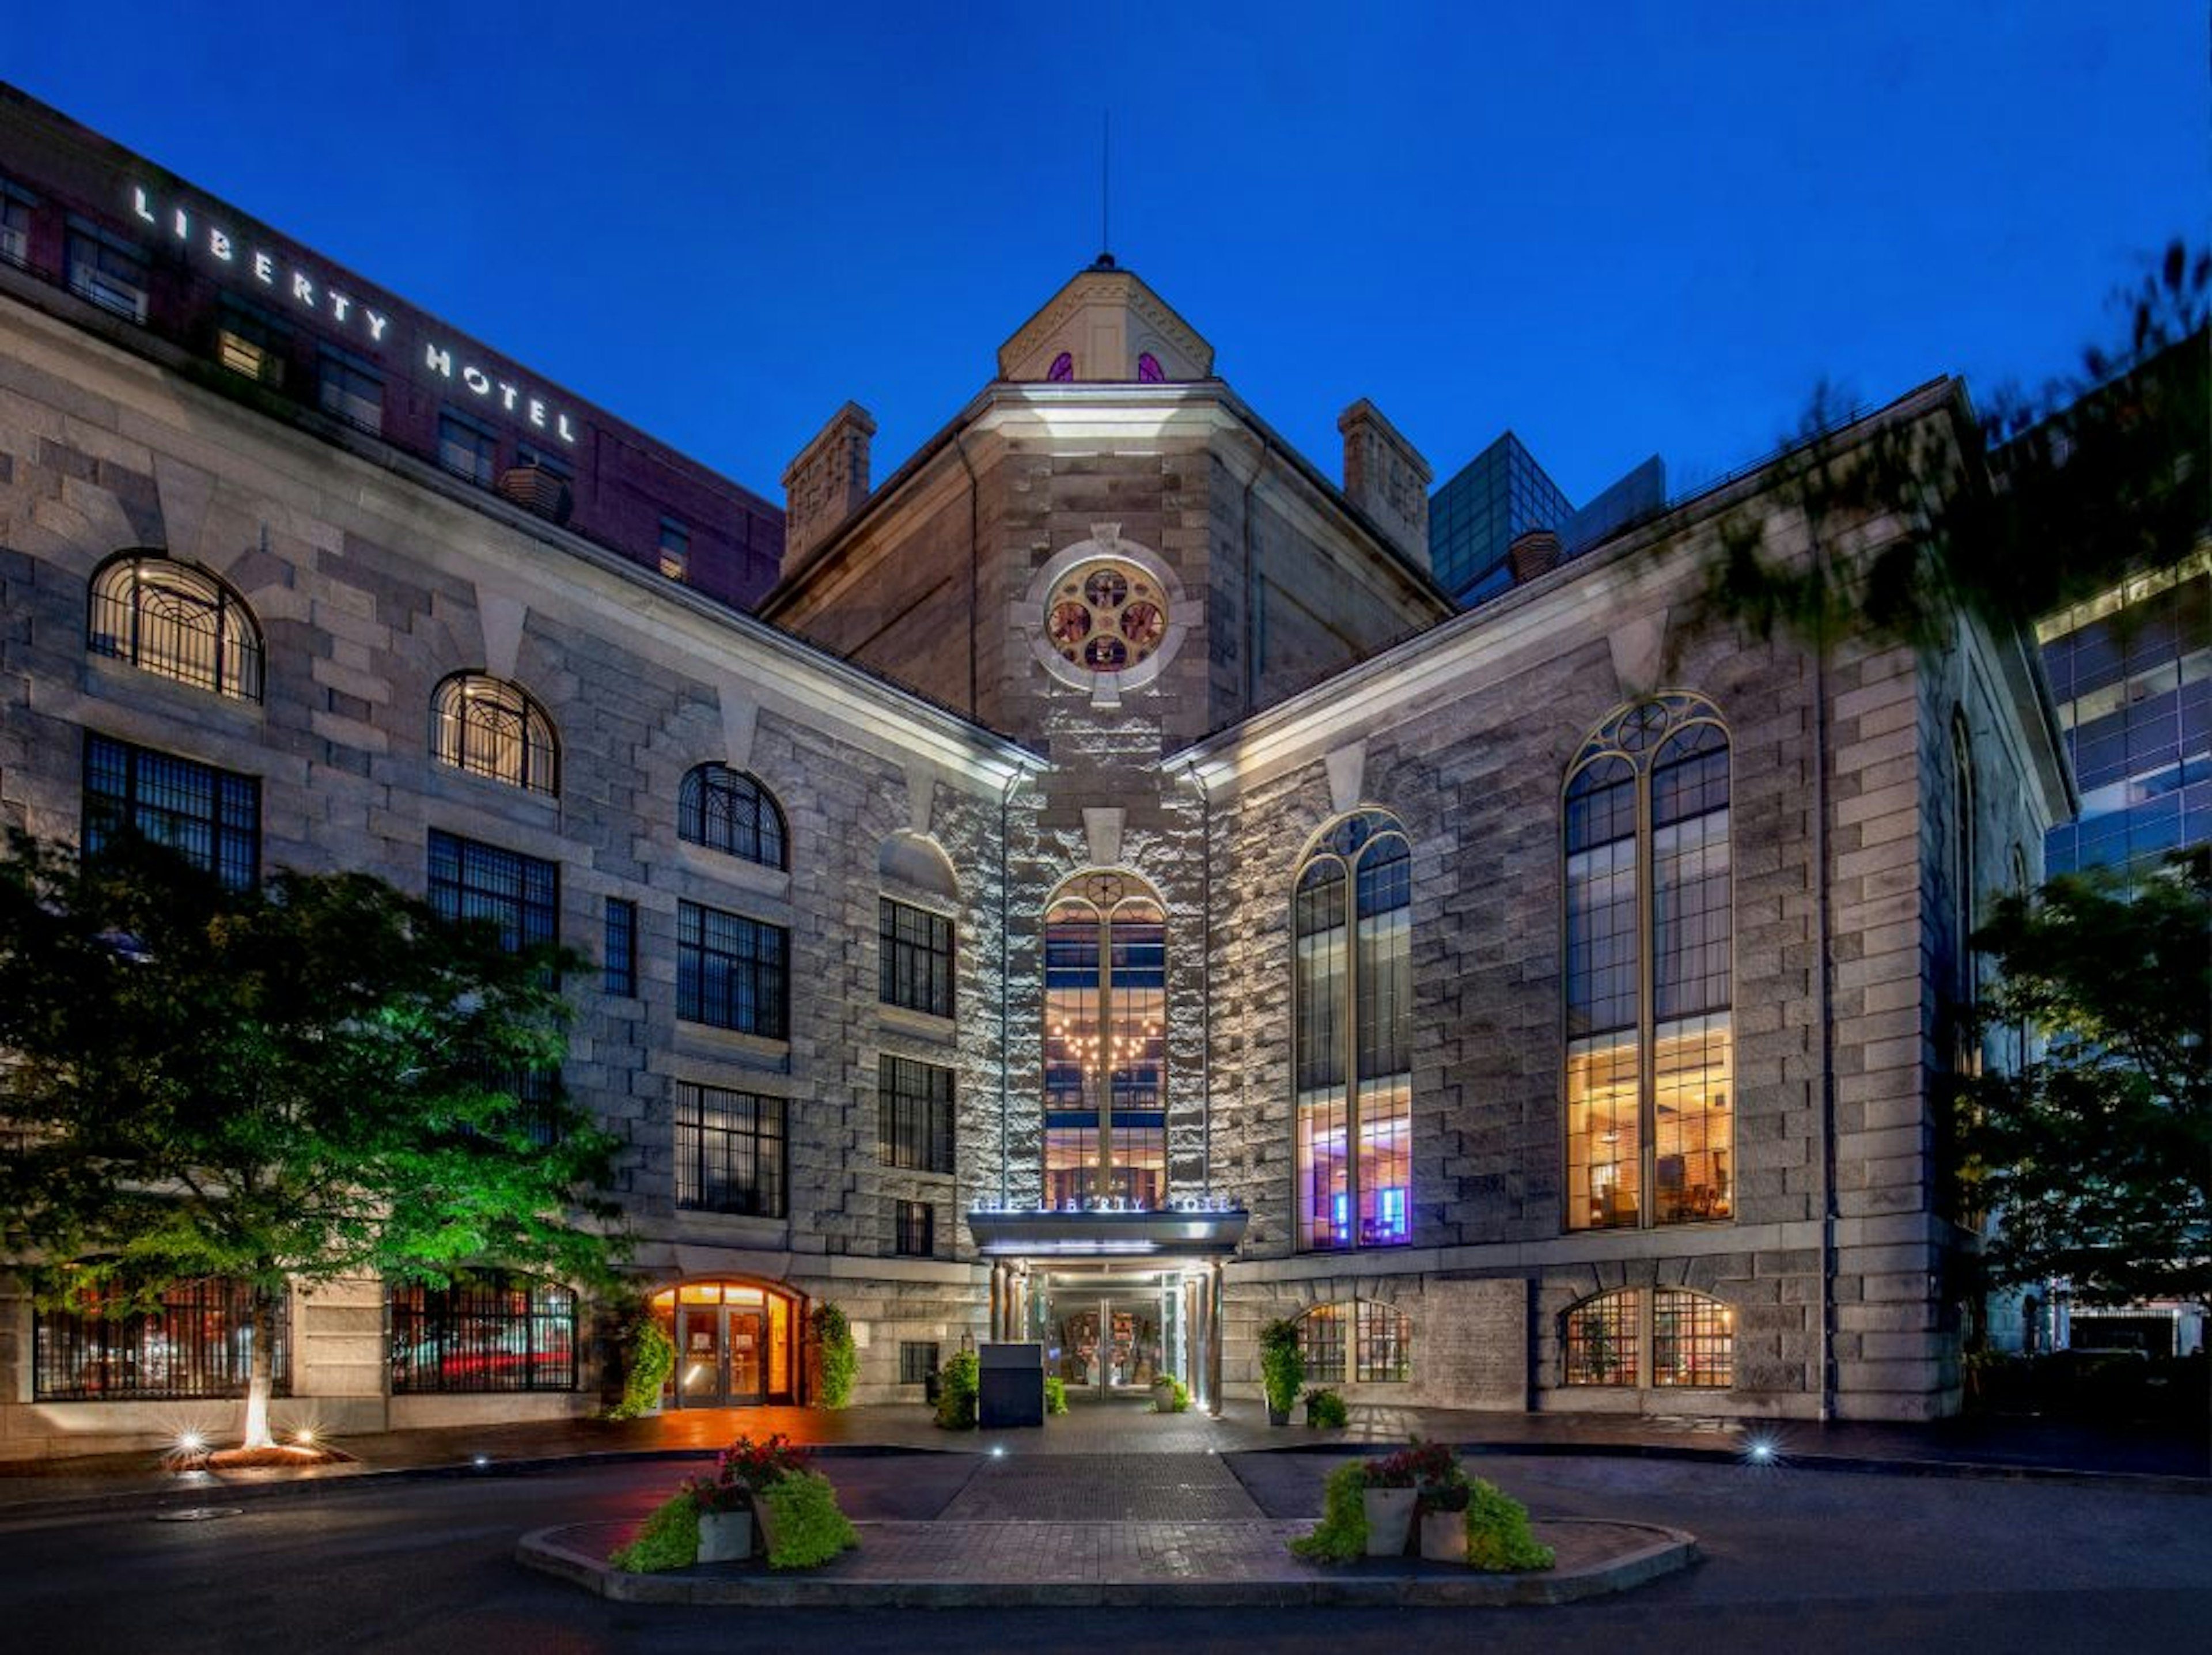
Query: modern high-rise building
[1502,493]
[1103,891]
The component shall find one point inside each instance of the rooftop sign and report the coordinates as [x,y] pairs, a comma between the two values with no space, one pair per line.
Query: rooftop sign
[283,280]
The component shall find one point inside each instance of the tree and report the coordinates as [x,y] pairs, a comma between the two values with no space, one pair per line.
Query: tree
[2096,1156]
[2060,494]
[313,1078]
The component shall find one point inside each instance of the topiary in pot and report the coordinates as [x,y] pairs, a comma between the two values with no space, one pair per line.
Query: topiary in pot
[648,1358]
[841,1357]
[1325,1410]
[957,1389]
[1282,1367]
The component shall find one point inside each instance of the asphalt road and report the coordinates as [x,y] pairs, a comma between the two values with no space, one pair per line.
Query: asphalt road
[1796,1561]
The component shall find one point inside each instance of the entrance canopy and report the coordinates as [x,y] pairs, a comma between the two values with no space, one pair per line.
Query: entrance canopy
[1192,1232]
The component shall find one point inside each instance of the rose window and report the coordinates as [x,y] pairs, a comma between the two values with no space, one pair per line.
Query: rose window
[1106,618]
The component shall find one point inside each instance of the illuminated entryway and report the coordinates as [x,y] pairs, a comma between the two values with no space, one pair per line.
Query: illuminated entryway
[1119,1295]
[734,1343]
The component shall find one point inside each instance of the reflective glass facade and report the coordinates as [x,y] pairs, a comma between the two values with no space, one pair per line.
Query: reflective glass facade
[2132,674]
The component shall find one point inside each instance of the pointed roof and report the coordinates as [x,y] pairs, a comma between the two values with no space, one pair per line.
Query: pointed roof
[1106,323]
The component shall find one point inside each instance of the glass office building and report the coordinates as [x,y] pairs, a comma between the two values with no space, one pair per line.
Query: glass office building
[1498,495]
[2131,671]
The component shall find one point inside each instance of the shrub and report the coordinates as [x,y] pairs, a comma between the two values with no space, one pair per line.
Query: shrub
[841,1357]
[810,1529]
[1497,1534]
[956,1392]
[1171,1395]
[648,1358]
[1055,1394]
[746,1468]
[1325,1409]
[1282,1365]
[667,1539]
[1341,1534]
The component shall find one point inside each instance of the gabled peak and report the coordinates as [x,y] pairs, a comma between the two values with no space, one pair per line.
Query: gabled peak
[1106,327]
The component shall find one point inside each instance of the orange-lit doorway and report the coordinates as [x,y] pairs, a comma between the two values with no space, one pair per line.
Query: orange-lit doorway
[733,1343]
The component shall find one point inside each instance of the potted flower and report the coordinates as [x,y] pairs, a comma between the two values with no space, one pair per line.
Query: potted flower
[1325,1409]
[1282,1367]
[1390,1496]
[729,1501]
[1440,1487]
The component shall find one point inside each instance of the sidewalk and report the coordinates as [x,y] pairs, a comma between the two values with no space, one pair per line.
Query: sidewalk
[1999,1447]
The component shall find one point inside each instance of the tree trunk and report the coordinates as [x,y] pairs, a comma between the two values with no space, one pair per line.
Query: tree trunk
[261,1365]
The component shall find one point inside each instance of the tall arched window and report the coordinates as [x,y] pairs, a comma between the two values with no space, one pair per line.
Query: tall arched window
[180,621]
[727,810]
[1352,992]
[490,728]
[1651,1120]
[1105,1041]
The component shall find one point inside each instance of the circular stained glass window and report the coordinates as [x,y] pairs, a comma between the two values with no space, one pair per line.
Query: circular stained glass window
[1106,617]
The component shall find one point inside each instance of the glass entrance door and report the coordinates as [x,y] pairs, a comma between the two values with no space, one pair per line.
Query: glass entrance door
[699,1381]
[746,1344]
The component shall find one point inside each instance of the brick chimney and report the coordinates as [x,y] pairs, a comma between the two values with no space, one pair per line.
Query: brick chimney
[826,484]
[1386,477]
[1533,552]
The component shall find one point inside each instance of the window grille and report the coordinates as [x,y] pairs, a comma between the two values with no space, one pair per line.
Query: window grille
[916,949]
[209,817]
[732,971]
[177,622]
[493,1332]
[197,1342]
[727,810]
[729,1151]
[489,728]
[916,1236]
[914,1115]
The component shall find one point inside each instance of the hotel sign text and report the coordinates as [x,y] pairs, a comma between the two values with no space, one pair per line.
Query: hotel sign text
[307,291]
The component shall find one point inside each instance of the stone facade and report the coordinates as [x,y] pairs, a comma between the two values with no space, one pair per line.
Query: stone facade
[1306,666]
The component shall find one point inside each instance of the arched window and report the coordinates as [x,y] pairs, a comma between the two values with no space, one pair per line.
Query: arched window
[180,621]
[1362,1341]
[1690,1339]
[1352,993]
[1651,1123]
[490,728]
[1105,1041]
[1148,369]
[727,810]
[1062,371]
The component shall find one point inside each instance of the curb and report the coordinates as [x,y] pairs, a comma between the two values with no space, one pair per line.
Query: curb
[1658,1551]
[148,1498]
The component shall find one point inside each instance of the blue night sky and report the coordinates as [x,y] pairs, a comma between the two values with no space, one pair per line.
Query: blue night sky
[1615,227]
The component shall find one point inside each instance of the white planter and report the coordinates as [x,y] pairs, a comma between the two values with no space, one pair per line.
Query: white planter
[725,1536]
[1389,1520]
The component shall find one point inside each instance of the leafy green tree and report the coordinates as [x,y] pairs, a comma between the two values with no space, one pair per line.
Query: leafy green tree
[2052,496]
[310,1079]
[2096,1156]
